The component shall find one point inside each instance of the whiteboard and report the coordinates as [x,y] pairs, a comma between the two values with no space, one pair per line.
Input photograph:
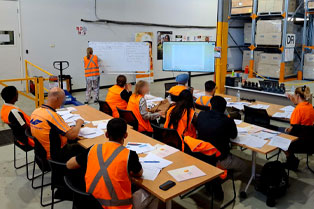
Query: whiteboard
[118,57]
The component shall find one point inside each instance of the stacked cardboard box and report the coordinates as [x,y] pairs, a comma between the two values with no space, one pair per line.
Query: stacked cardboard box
[308,69]
[271,6]
[242,7]
[269,32]
[310,5]
[247,58]
[247,33]
[269,65]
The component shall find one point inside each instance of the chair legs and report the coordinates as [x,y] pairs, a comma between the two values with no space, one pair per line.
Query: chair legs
[24,165]
[307,163]
[234,193]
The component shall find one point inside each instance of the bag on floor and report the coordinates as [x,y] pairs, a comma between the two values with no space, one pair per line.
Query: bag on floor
[273,182]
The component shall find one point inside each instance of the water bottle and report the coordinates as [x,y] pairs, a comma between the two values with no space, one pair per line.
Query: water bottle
[169,98]
[238,96]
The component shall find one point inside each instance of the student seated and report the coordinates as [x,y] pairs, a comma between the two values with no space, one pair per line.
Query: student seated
[137,104]
[182,81]
[110,167]
[119,95]
[14,116]
[181,115]
[52,132]
[210,90]
[303,114]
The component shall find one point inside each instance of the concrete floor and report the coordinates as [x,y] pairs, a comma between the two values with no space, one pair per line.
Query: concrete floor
[16,191]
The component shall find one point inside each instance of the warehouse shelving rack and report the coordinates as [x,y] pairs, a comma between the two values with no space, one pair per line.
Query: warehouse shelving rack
[285,16]
[307,39]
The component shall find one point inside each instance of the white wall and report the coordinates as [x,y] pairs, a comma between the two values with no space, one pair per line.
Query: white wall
[47,23]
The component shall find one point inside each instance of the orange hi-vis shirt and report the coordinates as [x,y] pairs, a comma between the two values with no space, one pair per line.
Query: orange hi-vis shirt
[303,114]
[176,90]
[114,100]
[107,177]
[204,100]
[45,125]
[134,106]
[8,112]
[91,66]
[182,129]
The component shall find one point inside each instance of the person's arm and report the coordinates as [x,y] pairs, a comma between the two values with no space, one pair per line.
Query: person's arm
[74,131]
[145,114]
[125,95]
[134,165]
[78,161]
[233,131]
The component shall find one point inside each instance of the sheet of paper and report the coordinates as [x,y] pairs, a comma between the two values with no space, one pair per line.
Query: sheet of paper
[286,115]
[96,122]
[199,94]
[150,173]
[280,142]
[65,112]
[153,160]
[241,139]
[256,142]
[260,106]
[90,133]
[186,173]
[242,130]
[238,122]
[102,126]
[164,151]
[227,99]
[254,129]
[288,108]
[139,147]
[265,135]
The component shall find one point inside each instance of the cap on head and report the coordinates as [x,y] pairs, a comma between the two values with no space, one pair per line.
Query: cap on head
[182,78]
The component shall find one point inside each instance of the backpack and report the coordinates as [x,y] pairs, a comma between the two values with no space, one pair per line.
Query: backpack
[273,182]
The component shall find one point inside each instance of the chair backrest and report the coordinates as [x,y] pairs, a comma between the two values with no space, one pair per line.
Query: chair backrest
[258,117]
[234,113]
[304,133]
[202,107]
[129,117]
[81,199]
[167,136]
[104,107]
[168,86]
[58,170]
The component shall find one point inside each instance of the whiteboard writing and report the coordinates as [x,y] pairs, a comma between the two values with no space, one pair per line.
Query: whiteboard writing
[117,57]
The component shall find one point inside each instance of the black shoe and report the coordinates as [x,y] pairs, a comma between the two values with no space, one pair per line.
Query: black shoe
[85,102]
[292,163]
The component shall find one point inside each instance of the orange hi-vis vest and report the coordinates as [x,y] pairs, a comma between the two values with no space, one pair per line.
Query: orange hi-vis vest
[182,129]
[114,100]
[107,177]
[206,148]
[134,106]
[204,100]
[5,112]
[91,66]
[176,90]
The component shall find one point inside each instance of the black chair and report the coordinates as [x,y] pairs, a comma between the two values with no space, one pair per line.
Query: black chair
[25,148]
[40,159]
[168,86]
[258,117]
[58,170]
[305,141]
[234,113]
[104,107]
[81,199]
[167,136]
[129,117]
[202,107]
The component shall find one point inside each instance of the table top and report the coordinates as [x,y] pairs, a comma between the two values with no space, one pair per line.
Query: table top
[179,160]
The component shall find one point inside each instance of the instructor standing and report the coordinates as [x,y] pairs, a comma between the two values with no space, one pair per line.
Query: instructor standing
[92,75]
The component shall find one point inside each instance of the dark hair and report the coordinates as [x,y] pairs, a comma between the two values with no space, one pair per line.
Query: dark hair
[116,129]
[185,103]
[210,86]
[218,104]
[8,93]
[121,80]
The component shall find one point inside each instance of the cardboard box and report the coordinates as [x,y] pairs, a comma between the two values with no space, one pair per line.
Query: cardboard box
[241,10]
[311,5]
[308,72]
[247,58]
[270,58]
[247,33]
[268,26]
[242,3]
[268,39]
[271,6]
[309,60]
[273,71]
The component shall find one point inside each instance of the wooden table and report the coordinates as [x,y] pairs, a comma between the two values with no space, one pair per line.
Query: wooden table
[271,110]
[179,160]
[266,149]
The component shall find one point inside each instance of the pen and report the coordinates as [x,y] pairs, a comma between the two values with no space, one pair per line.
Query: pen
[152,161]
[133,144]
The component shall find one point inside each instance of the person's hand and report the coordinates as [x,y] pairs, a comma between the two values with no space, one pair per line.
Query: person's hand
[79,122]
[288,130]
[128,87]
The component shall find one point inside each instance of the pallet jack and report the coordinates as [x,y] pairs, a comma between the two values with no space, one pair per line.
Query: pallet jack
[69,99]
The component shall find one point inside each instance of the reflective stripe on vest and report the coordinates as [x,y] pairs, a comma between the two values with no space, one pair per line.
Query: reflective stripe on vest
[207,104]
[104,173]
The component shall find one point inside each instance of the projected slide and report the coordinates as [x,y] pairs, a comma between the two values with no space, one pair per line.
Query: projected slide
[189,56]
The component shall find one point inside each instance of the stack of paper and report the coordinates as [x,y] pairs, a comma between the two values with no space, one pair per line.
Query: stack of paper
[67,110]
[238,105]
[139,147]
[260,106]
[237,122]
[241,130]
[186,173]
[101,124]
[288,109]
[90,133]
[286,114]
[249,140]
[265,134]
[280,142]
[164,150]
